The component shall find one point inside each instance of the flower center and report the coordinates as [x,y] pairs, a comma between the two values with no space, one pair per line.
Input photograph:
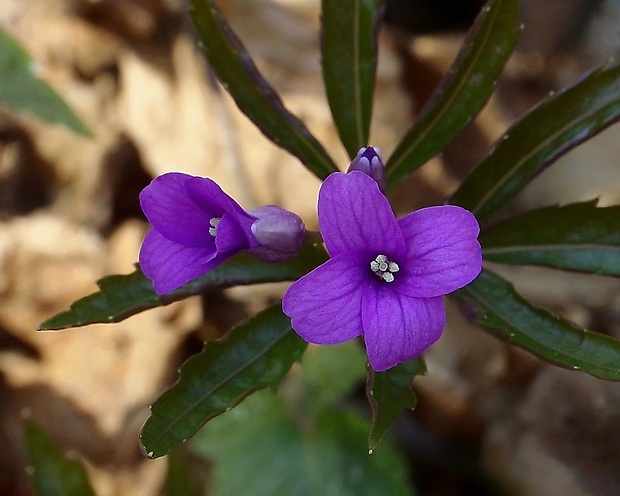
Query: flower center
[384,268]
[213,223]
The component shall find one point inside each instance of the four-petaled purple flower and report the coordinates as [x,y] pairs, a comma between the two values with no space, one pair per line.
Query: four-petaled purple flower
[196,226]
[386,277]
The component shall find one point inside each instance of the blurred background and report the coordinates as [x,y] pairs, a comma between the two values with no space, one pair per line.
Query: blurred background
[490,419]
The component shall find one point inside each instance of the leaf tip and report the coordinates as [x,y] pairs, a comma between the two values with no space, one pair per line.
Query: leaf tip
[49,324]
[373,441]
[150,454]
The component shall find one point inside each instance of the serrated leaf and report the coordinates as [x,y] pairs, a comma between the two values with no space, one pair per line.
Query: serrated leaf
[349,59]
[551,129]
[255,97]
[121,296]
[53,474]
[492,302]
[21,89]
[389,393]
[256,354]
[296,456]
[578,237]
[463,92]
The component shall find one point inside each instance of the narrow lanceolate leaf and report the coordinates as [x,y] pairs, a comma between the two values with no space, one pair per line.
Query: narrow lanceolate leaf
[257,354]
[53,474]
[577,237]
[22,89]
[121,296]
[492,302]
[554,127]
[349,57]
[254,96]
[463,92]
[389,393]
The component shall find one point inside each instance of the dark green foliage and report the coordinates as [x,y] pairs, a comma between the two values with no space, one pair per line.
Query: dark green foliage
[464,90]
[493,303]
[257,354]
[349,58]
[255,97]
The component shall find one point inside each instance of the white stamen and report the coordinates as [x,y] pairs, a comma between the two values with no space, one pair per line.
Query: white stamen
[384,268]
[214,223]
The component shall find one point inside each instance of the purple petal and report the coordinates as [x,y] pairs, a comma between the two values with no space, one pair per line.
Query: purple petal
[443,253]
[169,208]
[211,198]
[355,215]
[325,304]
[230,236]
[170,265]
[398,328]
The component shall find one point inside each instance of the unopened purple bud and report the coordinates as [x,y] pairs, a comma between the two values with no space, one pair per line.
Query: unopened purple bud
[369,161]
[280,233]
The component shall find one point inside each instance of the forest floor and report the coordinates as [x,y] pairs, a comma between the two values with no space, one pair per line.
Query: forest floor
[69,215]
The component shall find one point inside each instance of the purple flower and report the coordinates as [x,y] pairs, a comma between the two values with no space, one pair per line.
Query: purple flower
[369,161]
[280,233]
[196,226]
[386,277]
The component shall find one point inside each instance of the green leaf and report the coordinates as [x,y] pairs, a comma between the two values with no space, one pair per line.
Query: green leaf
[551,129]
[340,450]
[254,96]
[349,56]
[324,455]
[463,92]
[389,393]
[577,237]
[330,372]
[493,303]
[21,89]
[257,354]
[121,296]
[178,478]
[52,473]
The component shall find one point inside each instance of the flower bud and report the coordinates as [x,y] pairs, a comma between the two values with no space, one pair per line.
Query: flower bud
[369,161]
[280,233]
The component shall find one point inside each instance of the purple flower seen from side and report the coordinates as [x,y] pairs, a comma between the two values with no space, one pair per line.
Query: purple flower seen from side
[197,226]
[386,277]
[280,233]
